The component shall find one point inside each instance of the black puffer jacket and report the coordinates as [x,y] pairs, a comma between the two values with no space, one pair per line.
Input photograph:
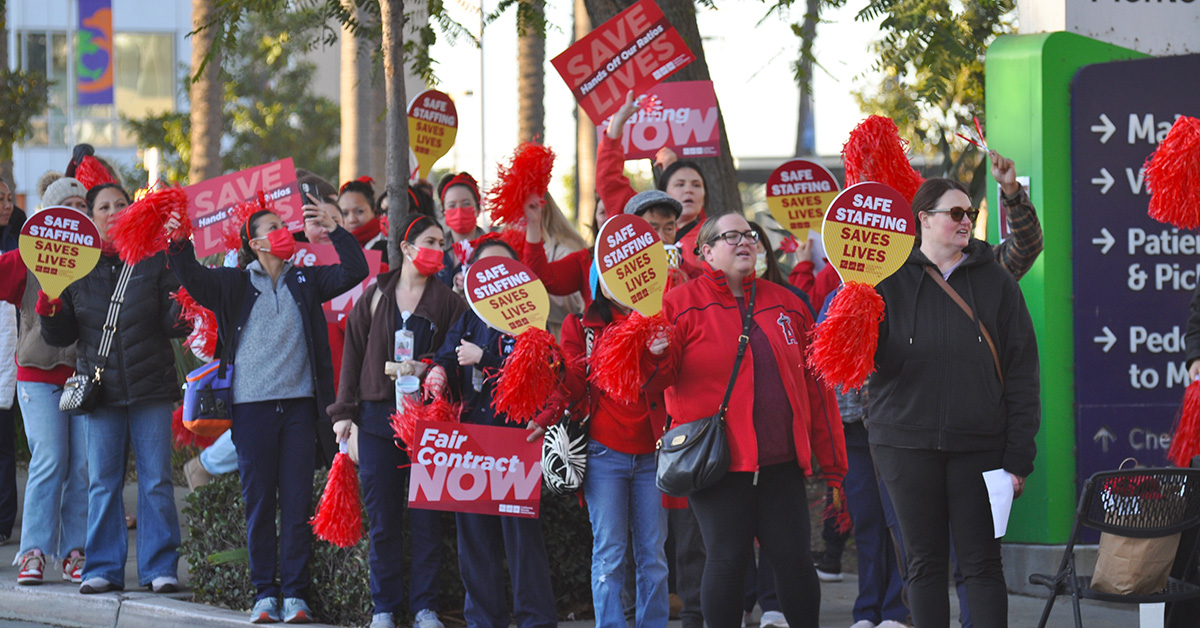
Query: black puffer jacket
[935,385]
[141,364]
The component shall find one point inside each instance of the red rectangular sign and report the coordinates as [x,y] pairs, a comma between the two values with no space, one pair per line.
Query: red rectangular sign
[309,254]
[209,201]
[681,116]
[634,50]
[462,467]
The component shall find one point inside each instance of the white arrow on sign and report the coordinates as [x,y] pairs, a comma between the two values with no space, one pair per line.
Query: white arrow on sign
[1105,180]
[1108,339]
[1108,241]
[1108,128]
[1104,437]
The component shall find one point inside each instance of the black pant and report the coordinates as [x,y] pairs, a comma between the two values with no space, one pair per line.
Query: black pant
[937,493]
[8,472]
[775,510]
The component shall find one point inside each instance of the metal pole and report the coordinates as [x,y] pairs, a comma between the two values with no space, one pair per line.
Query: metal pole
[482,107]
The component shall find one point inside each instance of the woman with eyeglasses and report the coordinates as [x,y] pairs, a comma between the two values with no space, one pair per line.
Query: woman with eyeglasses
[955,393]
[779,417]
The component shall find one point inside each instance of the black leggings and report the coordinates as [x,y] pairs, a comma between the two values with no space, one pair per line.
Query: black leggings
[775,511]
[937,493]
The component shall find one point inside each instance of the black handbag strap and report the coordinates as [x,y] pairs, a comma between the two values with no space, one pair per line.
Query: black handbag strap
[743,341]
[110,321]
[589,335]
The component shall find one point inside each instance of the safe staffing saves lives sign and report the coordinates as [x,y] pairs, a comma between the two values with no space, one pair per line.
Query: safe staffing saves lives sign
[634,50]
[461,467]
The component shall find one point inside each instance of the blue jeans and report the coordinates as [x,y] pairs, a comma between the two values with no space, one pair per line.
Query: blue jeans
[625,507]
[220,457]
[111,430]
[56,494]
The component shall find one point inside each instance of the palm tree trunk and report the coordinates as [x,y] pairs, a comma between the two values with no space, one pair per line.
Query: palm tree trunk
[531,84]
[205,97]
[808,34]
[585,143]
[392,13]
[356,101]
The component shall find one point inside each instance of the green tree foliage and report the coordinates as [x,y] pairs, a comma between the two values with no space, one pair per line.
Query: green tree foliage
[22,96]
[269,106]
[931,55]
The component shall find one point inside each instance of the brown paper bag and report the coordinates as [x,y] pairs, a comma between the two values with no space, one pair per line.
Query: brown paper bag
[1128,566]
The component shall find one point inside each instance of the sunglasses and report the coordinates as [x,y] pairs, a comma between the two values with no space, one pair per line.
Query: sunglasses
[957,213]
[734,238]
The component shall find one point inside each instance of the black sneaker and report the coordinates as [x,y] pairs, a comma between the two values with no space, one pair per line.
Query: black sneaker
[828,569]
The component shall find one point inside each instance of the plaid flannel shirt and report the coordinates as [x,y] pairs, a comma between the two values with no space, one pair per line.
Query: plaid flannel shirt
[1024,243]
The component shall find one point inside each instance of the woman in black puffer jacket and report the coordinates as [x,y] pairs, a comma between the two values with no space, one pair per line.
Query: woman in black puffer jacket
[138,390]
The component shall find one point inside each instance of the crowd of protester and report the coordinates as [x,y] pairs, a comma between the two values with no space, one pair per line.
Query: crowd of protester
[906,449]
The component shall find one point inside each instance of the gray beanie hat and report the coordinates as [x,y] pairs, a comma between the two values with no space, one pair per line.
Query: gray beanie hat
[645,200]
[61,190]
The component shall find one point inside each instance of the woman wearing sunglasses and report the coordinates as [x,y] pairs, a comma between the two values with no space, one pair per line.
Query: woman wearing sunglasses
[955,393]
[779,417]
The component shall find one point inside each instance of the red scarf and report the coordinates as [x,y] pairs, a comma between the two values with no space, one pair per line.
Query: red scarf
[108,248]
[369,230]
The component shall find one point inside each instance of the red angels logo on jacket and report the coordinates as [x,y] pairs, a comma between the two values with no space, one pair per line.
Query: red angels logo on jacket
[785,323]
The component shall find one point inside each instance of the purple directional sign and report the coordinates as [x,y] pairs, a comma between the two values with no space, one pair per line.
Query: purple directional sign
[1134,277]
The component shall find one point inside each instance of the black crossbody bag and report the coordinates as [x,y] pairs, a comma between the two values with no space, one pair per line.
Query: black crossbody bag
[695,455]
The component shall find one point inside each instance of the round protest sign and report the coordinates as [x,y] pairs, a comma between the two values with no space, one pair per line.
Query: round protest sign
[59,245]
[798,192]
[633,263]
[868,232]
[432,127]
[507,295]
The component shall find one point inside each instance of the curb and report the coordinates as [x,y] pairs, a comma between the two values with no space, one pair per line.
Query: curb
[63,605]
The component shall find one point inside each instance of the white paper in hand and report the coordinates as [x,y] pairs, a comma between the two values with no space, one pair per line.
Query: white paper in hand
[1000,494]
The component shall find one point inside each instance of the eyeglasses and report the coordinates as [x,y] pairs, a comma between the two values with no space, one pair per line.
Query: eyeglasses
[734,238]
[957,213]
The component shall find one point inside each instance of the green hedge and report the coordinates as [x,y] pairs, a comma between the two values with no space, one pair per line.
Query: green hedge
[215,551]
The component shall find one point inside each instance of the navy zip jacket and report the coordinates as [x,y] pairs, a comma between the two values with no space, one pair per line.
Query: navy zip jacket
[229,293]
[477,405]
[935,384]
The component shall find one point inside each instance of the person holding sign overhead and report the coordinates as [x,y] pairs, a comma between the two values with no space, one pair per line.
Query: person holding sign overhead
[137,393]
[778,418]
[406,311]
[270,319]
[468,361]
[955,393]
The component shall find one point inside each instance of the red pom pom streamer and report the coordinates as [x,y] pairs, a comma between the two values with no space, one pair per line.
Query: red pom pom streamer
[236,223]
[837,511]
[404,421]
[516,239]
[1185,442]
[528,173]
[616,359]
[875,152]
[90,172]
[1173,176]
[529,376]
[843,345]
[140,231]
[183,437]
[339,513]
[203,339]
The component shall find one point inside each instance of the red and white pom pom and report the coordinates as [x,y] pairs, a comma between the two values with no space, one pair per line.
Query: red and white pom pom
[235,224]
[1185,442]
[616,359]
[529,376]
[875,152]
[527,173]
[843,346]
[338,519]
[203,338]
[90,172]
[1173,176]
[140,231]
[404,421]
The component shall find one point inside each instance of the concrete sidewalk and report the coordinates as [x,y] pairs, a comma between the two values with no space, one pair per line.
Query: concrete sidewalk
[60,604]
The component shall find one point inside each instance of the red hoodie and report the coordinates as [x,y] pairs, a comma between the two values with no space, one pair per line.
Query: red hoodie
[695,369]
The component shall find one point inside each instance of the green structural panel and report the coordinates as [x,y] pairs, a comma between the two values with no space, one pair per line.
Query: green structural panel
[1029,120]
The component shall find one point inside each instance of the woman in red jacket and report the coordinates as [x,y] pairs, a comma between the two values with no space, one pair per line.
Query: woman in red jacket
[778,417]
[624,504]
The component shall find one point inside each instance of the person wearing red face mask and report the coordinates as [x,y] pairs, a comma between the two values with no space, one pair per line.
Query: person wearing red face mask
[407,298]
[459,195]
[269,317]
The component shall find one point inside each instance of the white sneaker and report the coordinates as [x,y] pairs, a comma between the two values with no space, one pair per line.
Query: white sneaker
[772,618]
[383,620]
[865,623]
[891,623]
[426,618]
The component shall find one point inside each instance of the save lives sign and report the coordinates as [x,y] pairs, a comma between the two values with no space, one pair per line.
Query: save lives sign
[209,201]
[461,467]
[632,51]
